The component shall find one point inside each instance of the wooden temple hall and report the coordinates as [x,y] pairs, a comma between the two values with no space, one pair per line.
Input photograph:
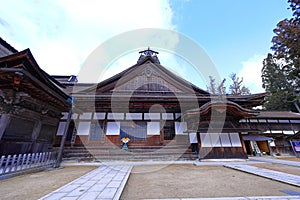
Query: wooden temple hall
[162,114]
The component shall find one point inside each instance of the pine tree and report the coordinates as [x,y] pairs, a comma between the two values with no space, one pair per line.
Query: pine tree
[284,64]
[276,84]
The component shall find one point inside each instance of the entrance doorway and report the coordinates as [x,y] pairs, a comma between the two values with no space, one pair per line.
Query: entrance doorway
[248,147]
[169,130]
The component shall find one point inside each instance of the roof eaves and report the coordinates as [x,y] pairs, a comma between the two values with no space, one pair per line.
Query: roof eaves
[8,46]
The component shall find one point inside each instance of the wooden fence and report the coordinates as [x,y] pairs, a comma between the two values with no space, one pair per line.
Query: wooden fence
[10,164]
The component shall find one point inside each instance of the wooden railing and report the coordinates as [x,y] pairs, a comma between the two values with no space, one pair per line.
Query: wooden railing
[14,163]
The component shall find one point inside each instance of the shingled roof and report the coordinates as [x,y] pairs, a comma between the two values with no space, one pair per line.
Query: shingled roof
[37,80]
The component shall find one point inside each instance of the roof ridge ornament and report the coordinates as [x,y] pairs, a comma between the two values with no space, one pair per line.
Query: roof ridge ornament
[148,53]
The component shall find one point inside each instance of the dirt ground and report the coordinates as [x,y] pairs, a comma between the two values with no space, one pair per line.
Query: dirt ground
[175,181]
[281,168]
[36,185]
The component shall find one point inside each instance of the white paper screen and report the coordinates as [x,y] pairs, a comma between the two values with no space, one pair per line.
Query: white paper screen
[215,139]
[235,139]
[193,138]
[113,128]
[61,128]
[167,116]
[83,128]
[225,141]
[85,116]
[99,115]
[151,116]
[134,116]
[117,116]
[153,128]
[205,140]
[180,128]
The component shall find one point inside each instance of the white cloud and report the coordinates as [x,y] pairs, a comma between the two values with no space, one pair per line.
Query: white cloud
[251,73]
[62,33]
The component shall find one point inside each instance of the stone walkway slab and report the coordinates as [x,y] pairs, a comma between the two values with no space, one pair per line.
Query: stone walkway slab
[277,161]
[210,162]
[222,163]
[240,198]
[105,182]
[274,175]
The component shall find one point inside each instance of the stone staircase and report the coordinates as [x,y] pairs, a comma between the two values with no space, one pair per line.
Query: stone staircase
[134,153]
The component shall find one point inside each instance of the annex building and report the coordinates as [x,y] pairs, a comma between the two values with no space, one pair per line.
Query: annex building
[161,113]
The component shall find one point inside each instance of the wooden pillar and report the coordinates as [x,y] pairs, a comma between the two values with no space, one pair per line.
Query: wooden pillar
[162,136]
[62,143]
[4,121]
[243,143]
[104,128]
[270,148]
[36,130]
[35,134]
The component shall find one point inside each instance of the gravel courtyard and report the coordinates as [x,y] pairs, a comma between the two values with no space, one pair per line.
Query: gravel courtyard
[154,181]
[174,181]
[36,185]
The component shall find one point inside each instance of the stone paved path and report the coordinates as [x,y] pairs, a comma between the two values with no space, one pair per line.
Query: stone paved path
[105,182]
[274,175]
[277,161]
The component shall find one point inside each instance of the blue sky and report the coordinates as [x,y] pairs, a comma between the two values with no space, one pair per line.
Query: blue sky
[236,34]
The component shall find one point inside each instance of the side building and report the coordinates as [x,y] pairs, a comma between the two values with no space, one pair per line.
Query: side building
[31,103]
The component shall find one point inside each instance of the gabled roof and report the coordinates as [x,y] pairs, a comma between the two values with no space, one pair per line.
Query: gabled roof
[278,115]
[25,63]
[222,106]
[111,82]
[248,101]
[65,79]
[295,136]
[7,46]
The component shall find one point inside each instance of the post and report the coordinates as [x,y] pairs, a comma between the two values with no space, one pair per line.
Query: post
[297,107]
[270,148]
[63,140]
[4,121]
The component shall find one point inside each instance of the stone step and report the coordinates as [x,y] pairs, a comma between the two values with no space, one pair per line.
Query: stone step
[131,147]
[119,150]
[125,154]
[131,150]
[169,152]
[122,152]
[133,157]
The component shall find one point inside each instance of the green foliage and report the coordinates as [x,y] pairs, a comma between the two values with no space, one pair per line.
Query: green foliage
[281,71]
[276,84]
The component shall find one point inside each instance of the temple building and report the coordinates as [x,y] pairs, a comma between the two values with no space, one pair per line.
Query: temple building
[163,115]
[158,109]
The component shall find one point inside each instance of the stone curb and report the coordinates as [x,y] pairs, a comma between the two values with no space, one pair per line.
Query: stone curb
[239,198]
[122,186]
